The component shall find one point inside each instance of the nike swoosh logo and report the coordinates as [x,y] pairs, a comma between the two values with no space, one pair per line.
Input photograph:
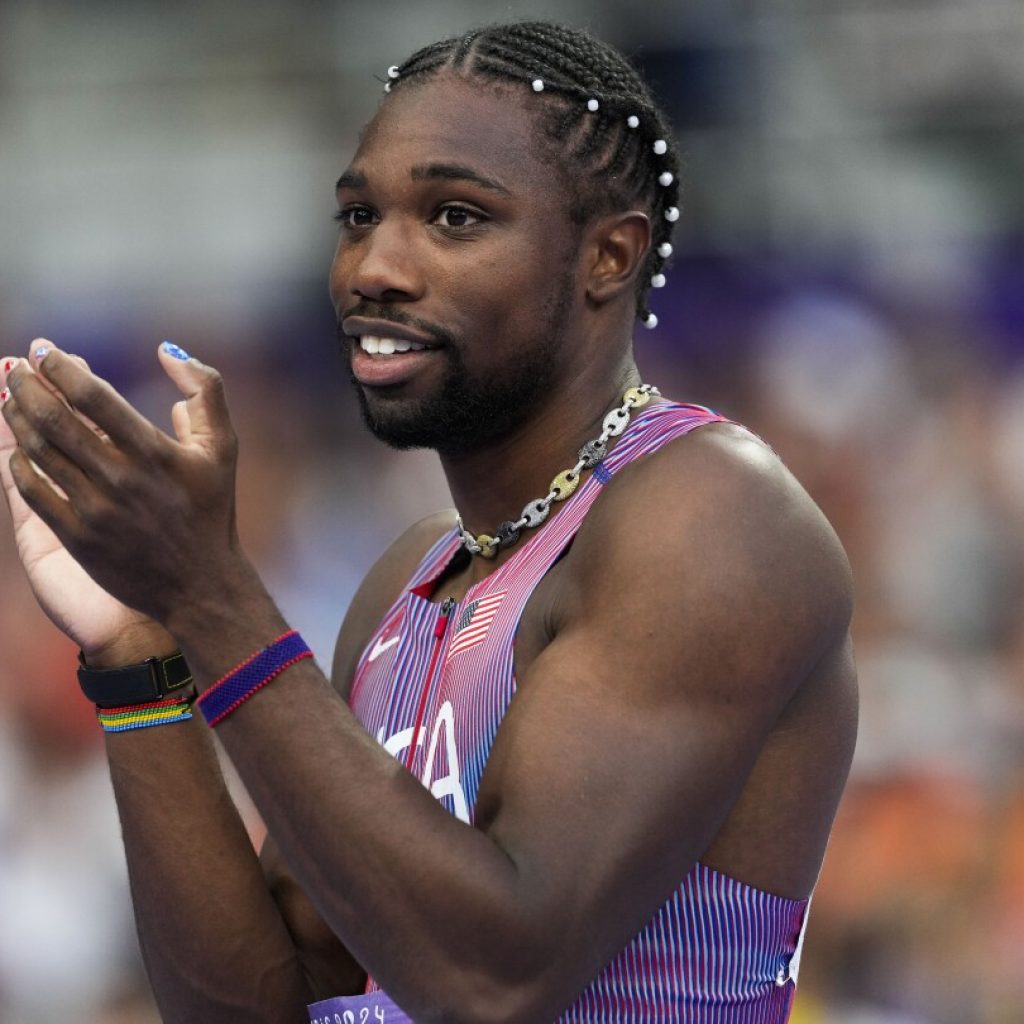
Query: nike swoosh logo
[380,647]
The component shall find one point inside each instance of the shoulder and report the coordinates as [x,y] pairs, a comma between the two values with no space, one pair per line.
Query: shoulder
[379,589]
[713,536]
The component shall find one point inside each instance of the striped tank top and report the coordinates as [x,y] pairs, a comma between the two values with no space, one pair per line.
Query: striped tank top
[433,688]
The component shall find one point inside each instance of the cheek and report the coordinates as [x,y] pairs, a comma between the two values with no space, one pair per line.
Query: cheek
[485,300]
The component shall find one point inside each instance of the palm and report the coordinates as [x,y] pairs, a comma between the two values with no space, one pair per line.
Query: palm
[75,603]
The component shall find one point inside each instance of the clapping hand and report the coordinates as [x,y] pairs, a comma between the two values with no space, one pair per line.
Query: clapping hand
[115,521]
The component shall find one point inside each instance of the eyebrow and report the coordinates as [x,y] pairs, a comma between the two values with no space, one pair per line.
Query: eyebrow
[350,179]
[424,172]
[458,172]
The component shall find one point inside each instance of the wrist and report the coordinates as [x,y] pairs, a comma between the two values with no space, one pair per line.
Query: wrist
[134,644]
[227,601]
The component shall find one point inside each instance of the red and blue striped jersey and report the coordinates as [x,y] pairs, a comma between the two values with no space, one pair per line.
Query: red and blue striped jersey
[718,951]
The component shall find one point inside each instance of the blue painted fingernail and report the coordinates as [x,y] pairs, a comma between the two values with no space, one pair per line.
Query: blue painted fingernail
[173,350]
[41,353]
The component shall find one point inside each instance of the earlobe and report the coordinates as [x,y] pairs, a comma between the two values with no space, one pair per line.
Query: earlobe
[619,244]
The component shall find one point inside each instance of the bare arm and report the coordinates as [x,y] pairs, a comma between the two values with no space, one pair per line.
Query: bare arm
[329,967]
[215,943]
[224,937]
[631,738]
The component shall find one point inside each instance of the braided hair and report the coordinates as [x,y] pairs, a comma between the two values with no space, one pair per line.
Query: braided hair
[615,145]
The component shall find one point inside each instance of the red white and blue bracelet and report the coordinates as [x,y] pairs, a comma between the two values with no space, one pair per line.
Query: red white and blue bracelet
[235,687]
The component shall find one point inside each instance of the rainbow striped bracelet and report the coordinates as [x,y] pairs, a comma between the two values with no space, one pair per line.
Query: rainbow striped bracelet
[143,716]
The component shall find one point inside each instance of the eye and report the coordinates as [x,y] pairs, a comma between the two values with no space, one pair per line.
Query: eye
[355,217]
[456,217]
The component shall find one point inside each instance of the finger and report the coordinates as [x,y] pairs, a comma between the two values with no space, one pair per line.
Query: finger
[203,418]
[97,400]
[38,345]
[181,422]
[8,445]
[20,512]
[7,441]
[79,361]
[44,429]
[54,436]
[7,364]
[40,497]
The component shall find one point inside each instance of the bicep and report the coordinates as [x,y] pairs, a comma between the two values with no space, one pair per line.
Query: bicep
[633,733]
[607,791]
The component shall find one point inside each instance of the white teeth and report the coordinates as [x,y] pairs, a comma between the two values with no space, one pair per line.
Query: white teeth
[375,345]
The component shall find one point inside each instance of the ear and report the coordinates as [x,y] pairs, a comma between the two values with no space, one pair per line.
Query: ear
[616,247]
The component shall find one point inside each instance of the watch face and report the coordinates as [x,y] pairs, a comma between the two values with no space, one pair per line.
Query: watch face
[175,672]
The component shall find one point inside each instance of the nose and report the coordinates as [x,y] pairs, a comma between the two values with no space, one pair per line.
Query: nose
[381,266]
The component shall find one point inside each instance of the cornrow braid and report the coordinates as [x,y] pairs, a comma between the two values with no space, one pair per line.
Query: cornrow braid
[615,145]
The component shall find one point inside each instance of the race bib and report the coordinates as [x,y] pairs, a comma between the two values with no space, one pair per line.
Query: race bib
[373,1008]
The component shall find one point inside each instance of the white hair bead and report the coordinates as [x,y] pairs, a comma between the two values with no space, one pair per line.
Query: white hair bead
[393,71]
[658,281]
[538,85]
[665,250]
[666,178]
[592,105]
[672,214]
[633,121]
[387,87]
[660,146]
[650,321]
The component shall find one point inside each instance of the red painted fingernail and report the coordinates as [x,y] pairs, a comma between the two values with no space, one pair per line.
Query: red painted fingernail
[8,363]
[5,394]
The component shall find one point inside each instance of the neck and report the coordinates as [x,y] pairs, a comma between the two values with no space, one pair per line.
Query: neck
[492,486]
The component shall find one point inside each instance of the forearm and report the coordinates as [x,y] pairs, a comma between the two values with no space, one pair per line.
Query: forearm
[412,891]
[215,947]
[433,908]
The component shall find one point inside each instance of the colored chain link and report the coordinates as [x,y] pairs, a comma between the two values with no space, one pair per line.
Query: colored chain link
[589,456]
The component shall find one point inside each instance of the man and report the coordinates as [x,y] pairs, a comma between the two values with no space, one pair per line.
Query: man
[587,759]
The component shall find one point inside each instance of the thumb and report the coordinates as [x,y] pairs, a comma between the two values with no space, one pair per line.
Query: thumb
[202,418]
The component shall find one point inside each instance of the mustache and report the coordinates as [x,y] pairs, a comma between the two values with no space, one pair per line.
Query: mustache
[378,311]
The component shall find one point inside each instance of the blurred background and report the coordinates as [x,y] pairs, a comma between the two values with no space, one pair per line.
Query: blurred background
[849,282]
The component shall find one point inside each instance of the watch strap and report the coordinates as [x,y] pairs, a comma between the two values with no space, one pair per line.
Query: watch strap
[151,680]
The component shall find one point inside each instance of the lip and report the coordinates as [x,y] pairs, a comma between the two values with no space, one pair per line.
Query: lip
[357,326]
[388,371]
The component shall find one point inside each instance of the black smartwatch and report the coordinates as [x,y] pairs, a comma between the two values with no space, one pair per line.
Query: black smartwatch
[152,680]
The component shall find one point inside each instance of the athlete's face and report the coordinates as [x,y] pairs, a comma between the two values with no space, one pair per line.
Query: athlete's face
[454,236]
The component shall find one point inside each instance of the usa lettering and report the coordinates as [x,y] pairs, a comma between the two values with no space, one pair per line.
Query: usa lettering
[441,749]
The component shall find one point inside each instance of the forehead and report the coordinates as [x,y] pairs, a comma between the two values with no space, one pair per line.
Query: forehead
[448,119]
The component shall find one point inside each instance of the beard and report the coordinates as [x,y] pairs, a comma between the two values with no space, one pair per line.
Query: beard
[469,412]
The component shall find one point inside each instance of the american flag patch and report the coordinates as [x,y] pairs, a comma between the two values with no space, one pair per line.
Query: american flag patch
[474,622]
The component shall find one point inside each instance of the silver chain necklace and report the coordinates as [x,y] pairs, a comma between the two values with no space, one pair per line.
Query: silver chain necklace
[564,484]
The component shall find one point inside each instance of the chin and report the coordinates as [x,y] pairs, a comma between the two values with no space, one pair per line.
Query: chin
[402,422]
[462,413]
